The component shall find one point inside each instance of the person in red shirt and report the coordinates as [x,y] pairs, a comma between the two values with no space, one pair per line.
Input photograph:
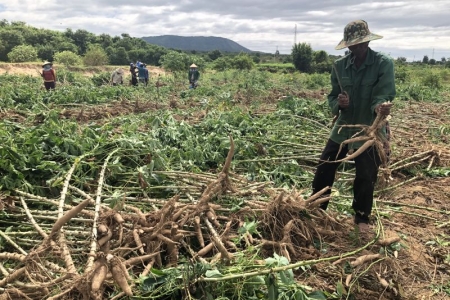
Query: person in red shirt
[49,75]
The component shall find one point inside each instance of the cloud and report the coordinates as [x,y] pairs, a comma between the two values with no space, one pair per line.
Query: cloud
[411,28]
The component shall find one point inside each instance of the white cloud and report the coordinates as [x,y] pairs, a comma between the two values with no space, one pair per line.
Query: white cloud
[411,28]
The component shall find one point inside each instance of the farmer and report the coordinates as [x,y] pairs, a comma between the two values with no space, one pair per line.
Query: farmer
[133,71]
[146,75]
[142,72]
[117,76]
[193,76]
[367,81]
[49,75]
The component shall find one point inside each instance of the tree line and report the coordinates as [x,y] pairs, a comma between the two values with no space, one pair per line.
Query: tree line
[20,42]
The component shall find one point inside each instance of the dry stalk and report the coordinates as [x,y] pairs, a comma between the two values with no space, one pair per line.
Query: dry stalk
[31,218]
[13,256]
[217,241]
[371,138]
[98,200]
[12,277]
[3,235]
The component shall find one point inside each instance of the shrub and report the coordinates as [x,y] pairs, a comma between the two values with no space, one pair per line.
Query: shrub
[432,80]
[222,63]
[243,62]
[95,56]
[101,78]
[401,74]
[23,53]
[68,58]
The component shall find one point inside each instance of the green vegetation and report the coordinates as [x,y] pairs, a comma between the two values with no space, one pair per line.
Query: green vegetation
[150,166]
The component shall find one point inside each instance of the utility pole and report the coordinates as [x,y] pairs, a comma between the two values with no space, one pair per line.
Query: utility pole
[295,35]
[433,54]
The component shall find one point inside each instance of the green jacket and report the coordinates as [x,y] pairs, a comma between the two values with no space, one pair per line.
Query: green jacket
[196,74]
[372,84]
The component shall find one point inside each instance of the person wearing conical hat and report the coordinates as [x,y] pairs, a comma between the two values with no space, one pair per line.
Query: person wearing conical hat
[117,76]
[193,76]
[363,87]
[49,75]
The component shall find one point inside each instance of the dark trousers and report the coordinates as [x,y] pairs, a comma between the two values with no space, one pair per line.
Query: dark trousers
[49,85]
[366,165]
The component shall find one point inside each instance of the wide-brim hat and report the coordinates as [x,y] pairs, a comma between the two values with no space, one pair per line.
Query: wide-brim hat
[357,32]
[193,66]
[47,63]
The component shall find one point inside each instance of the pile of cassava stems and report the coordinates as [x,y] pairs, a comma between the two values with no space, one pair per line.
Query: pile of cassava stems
[85,250]
[92,249]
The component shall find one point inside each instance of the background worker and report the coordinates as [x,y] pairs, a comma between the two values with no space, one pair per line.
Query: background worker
[117,76]
[142,72]
[146,75]
[133,71]
[193,76]
[49,75]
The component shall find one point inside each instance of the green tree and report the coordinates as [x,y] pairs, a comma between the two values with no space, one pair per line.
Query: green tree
[175,61]
[401,60]
[432,61]
[320,56]
[45,52]
[126,41]
[23,53]
[9,39]
[68,58]
[82,38]
[118,56]
[104,40]
[138,54]
[302,56]
[222,63]
[213,55]
[257,58]
[95,56]
[243,62]
[425,59]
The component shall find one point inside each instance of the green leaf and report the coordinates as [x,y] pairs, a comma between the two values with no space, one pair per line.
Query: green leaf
[213,274]
[151,282]
[341,289]
[318,295]
[157,272]
[287,277]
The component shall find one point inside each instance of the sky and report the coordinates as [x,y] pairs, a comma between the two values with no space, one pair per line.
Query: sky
[410,28]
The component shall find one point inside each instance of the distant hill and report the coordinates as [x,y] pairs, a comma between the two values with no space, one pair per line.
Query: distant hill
[197,43]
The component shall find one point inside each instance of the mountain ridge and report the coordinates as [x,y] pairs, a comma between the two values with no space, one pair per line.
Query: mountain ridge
[196,43]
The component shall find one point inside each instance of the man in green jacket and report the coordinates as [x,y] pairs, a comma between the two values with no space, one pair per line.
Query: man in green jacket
[367,81]
[193,76]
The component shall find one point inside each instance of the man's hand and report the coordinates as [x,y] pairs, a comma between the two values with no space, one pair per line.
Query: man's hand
[343,100]
[384,108]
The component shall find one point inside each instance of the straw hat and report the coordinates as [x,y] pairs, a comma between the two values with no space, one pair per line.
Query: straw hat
[47,63]
[356,32]
[193,66]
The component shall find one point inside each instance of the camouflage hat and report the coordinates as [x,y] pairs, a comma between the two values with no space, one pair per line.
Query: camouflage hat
[356,32]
